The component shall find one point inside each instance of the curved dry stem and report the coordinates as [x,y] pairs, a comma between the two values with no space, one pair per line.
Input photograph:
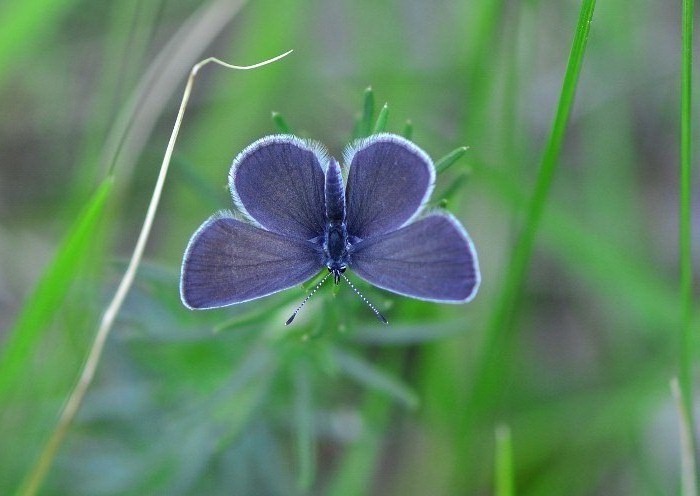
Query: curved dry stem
[40,469]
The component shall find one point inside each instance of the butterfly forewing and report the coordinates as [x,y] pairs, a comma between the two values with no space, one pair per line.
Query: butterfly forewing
[430,259]
[278,182]
[228,261]
[389,180]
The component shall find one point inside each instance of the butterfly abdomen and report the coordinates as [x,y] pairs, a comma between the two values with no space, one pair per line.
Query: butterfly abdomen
[335,194]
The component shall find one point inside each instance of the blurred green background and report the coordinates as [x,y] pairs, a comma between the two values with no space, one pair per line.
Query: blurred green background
[233,402]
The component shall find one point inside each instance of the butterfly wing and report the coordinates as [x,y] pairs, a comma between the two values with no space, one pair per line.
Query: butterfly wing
[389,180]
[278,182]
[430,259]
[229,261]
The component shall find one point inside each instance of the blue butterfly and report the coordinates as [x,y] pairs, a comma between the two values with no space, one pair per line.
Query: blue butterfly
[302,218]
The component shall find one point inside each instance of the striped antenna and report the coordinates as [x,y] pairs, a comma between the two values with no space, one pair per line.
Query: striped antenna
[374,309]
[290,319]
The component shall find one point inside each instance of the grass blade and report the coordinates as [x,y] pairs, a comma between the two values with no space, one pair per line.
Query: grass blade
[504,462]
[445,162]
[49,294]
[382,119]
[407,130]
[492,363]
[365,124]
[281,123]
[685,228]
[603,263]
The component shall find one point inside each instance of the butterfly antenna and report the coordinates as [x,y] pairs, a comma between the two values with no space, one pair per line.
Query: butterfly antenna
[290,319]
[374,309]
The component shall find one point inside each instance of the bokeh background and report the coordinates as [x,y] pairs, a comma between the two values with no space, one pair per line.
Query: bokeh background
[233,402]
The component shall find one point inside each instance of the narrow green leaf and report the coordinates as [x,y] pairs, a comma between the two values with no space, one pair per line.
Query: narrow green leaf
[280,123]
[685,376]
[407,130]
[367,374]
[380,125]
[40,308]
[445,162]
[504,482]
[594,259]
[491,364]
[365,127]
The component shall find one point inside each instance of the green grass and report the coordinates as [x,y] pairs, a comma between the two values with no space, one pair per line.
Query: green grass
[685,219]
[42,306]
[504,462]
[490,368]
[571,342]
[685,240]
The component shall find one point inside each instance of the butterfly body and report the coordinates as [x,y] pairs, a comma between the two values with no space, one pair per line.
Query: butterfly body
[335,242]
[303,217]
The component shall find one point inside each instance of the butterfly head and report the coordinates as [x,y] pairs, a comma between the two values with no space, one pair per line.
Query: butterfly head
[338,270]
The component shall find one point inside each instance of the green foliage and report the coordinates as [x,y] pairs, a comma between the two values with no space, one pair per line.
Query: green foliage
[280,123]
[445,162]
[491,365]
[380,125]
[41,307]
[504,462]
[364,127]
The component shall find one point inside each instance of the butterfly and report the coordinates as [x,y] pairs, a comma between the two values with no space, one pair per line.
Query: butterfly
[301,216]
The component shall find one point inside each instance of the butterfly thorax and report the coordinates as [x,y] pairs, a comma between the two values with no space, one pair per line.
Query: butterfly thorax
[335,249]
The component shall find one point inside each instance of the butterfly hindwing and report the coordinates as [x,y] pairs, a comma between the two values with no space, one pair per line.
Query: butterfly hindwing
[430,259]
[229,261]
